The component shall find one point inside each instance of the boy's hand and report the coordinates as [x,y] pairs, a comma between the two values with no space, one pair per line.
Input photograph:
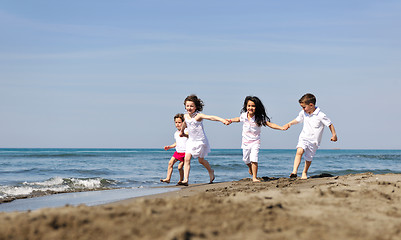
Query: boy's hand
[226,122]
[334,138]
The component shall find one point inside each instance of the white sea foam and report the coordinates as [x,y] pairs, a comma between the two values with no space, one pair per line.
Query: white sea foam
[16,191]
[56,184]
[87,183]
[50,182]
[12,191]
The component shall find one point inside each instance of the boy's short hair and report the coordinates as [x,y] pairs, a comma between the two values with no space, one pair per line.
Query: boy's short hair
[179,115]
[308,99]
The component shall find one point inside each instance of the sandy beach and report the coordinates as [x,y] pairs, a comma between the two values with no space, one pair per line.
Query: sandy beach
[361,206]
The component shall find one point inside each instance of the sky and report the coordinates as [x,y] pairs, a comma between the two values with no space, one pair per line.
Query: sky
[112,74]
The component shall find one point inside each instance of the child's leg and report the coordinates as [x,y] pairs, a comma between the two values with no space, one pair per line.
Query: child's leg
[309,153]
[180,169]
[297,161]
[255,172]
[253,157]
[187,168]
[250,168]
[169,170]
[245,157]
[305,172]
[206,164]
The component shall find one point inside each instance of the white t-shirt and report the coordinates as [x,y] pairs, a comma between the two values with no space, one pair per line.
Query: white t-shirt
[250,131]
[314,123]
[180,141]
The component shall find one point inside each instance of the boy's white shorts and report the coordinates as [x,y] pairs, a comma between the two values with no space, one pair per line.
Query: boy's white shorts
[309,149]
[250,154]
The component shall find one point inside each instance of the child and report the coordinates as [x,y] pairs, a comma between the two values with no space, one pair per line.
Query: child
[254,116]
[309,140]
[197,144]
[179,145]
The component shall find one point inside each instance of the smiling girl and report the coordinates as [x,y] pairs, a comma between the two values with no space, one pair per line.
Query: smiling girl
[253,115]
[197,144]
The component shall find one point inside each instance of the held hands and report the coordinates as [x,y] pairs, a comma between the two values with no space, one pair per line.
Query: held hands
[286,127]
[227,121]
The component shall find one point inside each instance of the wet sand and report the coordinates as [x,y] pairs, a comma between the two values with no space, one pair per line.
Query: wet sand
[361,206]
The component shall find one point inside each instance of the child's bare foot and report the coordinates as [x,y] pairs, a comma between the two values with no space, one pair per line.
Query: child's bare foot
[304,176]
[212,177]
[255,180]
[182,183]
[165,180]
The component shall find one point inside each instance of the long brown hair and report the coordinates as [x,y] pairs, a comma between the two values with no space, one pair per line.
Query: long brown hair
[198,102]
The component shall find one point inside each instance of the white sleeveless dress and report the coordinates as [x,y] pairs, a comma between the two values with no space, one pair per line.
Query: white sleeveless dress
[197,143]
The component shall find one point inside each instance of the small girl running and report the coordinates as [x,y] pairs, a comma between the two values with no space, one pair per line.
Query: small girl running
[179,154]
[253,115]
[197,144]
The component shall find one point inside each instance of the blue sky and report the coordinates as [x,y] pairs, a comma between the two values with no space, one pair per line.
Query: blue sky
[113,74]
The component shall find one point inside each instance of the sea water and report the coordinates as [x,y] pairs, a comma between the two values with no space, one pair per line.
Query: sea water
[26,173]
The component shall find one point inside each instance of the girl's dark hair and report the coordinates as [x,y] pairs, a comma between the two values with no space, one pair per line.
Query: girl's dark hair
[198,102]
[260,112]
[179,115]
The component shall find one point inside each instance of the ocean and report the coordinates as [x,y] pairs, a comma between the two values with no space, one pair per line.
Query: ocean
[32,173]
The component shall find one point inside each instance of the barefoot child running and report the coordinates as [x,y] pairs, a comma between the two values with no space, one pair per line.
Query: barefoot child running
[197,144]
[253,116]
[309,140]
[179,154]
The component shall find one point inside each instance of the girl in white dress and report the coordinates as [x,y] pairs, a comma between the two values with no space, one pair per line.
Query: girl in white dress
[197,144]
[253,116]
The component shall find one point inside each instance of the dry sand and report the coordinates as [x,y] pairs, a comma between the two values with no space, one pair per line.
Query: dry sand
[362,206]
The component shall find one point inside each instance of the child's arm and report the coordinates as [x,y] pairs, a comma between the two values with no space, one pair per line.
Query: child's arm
[288,125]
[333,132]
[275,126]
[231,120]
[182,134]
[170,147]
[212,118]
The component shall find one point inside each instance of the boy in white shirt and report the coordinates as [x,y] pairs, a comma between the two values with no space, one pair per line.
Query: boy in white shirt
[309,140]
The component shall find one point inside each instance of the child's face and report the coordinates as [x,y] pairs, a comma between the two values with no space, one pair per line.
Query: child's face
[190,107]
[178,123]
[308,108]
[251,108]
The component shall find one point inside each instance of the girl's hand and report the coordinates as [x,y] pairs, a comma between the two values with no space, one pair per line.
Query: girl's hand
[167,148]
[227,121]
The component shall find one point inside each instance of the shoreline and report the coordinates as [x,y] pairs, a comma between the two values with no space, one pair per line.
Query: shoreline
[59,199]
[355,206]
[88,198]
